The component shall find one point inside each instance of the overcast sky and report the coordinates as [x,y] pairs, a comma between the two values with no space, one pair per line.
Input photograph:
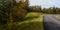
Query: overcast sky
[45,3]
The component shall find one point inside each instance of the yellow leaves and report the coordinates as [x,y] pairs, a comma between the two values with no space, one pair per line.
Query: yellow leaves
[23,4]
[20,10]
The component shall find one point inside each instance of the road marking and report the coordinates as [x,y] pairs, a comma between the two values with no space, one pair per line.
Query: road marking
[55,20]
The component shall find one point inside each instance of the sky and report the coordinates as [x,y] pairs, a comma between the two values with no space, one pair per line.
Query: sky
[45,3]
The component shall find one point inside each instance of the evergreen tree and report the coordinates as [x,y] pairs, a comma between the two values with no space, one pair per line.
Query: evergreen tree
[54,10]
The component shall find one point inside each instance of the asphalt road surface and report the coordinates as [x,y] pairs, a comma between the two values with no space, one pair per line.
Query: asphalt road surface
[51,22]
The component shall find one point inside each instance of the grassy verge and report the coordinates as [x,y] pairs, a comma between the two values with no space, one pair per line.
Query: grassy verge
[33,21]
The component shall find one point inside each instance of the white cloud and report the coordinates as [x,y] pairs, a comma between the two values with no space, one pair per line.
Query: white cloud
[45,3]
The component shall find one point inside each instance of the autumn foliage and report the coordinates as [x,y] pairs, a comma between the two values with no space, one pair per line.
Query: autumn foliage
[19,11]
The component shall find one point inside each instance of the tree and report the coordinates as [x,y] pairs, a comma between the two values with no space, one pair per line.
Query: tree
[20,11]
[58,10]
[54,10]
[5,12]
[5,7]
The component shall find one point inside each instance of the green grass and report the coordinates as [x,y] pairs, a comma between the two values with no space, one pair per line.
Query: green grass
[32,15]
[32,22]
[2,27]
[29,26]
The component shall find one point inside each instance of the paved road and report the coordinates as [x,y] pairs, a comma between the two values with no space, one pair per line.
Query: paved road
[51,22]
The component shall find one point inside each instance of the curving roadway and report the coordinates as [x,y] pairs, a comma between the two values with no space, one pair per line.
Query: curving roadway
[51,22]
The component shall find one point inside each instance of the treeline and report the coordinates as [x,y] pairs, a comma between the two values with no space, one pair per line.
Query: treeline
[51,10]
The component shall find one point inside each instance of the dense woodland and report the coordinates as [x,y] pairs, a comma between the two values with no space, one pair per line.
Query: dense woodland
[12,12]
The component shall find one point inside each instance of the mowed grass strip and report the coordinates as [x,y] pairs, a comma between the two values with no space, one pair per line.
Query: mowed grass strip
[33,21]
